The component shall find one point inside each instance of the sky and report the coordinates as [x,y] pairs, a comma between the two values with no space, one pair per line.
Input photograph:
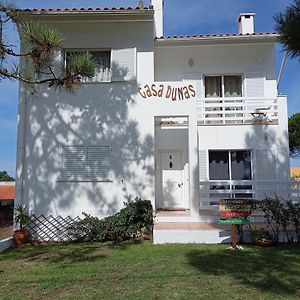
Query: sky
[181,17]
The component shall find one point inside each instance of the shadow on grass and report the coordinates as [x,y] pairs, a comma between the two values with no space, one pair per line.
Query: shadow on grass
[275,270]
[69,252]
[55,253]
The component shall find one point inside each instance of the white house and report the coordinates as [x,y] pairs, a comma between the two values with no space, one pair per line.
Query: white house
[183,121]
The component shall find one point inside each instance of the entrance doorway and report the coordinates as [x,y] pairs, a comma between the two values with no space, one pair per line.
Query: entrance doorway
[172,167]
[172,173]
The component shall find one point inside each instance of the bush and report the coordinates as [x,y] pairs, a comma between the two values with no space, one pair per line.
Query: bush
[129,223]
[280,214]
[262,235]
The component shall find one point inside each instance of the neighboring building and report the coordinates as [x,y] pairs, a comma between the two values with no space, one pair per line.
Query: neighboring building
[181,120]
[7,193]
[295,172]
[7,197]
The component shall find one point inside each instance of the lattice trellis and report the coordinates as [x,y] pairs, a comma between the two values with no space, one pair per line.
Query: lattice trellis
[51,229]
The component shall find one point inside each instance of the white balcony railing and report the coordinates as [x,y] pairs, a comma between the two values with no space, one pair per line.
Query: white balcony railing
[236,111]
[212,191]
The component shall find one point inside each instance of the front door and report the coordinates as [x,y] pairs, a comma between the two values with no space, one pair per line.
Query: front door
[172,179]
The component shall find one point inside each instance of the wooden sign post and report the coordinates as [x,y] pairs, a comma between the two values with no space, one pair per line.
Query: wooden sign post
[234,212]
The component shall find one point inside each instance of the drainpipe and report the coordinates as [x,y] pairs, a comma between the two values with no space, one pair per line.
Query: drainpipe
[281,68]
[21,137]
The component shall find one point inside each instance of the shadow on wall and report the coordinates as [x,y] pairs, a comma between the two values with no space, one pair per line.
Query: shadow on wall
[271,163]
[97,114]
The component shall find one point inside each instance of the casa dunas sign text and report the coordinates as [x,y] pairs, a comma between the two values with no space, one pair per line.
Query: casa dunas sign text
[170,91]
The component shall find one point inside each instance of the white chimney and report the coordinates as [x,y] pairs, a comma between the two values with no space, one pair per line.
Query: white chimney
[158,6]
[246,23]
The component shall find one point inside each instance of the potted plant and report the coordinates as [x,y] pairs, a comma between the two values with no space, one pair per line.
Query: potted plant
[21,235]
[262,237]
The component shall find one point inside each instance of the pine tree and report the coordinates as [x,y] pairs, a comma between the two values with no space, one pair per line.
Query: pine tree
[40,47]
[287,24]
[294,135]
[5,177]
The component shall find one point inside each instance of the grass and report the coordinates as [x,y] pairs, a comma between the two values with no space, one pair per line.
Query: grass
[146,271]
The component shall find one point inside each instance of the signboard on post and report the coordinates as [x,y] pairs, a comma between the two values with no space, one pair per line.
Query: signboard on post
[234,212]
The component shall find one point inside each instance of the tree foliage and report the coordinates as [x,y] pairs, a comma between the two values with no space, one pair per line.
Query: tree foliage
[287,24]
[5,177]
[294,135]
[40,49]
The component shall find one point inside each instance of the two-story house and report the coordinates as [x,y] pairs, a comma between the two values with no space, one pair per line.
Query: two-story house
[183,121]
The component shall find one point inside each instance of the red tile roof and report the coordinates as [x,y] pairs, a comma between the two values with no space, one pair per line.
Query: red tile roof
[82,9]
[7,193]
[203,36]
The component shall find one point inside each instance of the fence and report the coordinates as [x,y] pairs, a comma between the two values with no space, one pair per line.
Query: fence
[230,111]
[212,191]
[51,229]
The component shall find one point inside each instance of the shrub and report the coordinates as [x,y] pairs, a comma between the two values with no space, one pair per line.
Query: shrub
[294,209]
[261,235]
[279,214]
[129,223]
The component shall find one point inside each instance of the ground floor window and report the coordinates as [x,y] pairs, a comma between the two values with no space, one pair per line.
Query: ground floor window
[230,165]
[85,163]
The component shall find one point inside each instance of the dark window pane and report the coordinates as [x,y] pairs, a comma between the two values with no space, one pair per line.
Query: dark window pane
[213,86]
[243,187]
[233,86]
[218,165]
[241,165]
[250,196]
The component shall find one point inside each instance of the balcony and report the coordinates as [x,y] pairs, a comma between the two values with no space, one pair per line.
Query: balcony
[213,190]
[237,111]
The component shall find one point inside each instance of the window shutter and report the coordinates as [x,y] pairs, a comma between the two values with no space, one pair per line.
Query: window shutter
[98,162]
[255,85]
[265,165]
[58,63]
[124,64]
[73,162]
[203,165]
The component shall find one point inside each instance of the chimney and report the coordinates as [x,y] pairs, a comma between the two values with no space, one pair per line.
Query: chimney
[246,23]
[158,6]
[141,5]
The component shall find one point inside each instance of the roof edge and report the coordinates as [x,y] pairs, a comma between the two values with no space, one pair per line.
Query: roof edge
[270,36]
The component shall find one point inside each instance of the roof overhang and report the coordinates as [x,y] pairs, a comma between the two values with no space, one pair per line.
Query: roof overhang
[120,15]
[228,39]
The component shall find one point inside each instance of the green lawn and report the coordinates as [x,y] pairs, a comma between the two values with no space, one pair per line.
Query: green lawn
[146,271]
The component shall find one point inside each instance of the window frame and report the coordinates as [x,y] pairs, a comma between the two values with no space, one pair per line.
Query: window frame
[223,85]
[85,178]
[86,50]
[229,164]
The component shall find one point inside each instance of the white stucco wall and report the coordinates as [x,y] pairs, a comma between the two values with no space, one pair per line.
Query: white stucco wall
[115,114]
[171,63]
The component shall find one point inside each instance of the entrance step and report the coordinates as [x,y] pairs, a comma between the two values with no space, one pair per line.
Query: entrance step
[191,232]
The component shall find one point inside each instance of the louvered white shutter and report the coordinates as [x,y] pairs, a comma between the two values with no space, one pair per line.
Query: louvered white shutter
[98,162]
[203,165]
[73,163]
[58,62]
[265,165]
[255,85]
[124,64]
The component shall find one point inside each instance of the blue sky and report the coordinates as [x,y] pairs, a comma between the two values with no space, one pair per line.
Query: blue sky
[181,17]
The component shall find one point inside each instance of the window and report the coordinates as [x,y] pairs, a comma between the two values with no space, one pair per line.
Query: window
[85,163]
[223,86]
[230,165]
[102,59]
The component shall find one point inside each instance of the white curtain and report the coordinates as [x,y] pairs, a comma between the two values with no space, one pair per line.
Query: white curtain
[233,86]
[213,86]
